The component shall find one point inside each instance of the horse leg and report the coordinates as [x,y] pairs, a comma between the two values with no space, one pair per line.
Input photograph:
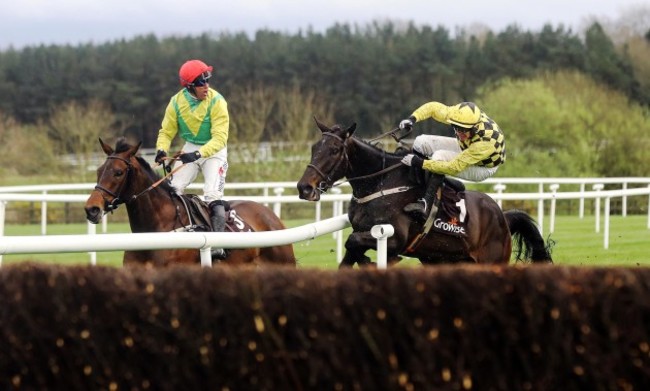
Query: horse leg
[353,256]
[494,251]
[160,258]
[279,255]
[354,253]
[393,260]
[139,258]
[360,242]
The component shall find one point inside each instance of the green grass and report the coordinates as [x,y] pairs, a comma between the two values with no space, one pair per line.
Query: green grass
[576,244]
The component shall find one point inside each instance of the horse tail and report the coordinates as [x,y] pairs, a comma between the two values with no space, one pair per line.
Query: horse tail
[528,241]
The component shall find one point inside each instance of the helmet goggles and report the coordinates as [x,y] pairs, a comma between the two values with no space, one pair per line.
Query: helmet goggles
[460,129]
[203,79]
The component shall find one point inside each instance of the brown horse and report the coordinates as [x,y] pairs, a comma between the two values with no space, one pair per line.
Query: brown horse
[153,205]
[381,186]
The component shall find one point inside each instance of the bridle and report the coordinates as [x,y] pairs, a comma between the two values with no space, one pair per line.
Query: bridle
[327,181]
[117,199]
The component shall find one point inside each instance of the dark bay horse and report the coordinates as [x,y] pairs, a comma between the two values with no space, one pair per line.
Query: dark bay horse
[381,186]
[153,206]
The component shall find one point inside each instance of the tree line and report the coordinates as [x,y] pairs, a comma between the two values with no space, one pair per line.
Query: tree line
[276,82]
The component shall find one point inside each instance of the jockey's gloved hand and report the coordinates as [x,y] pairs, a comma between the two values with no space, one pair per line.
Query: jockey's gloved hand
[190,157]
[413,161]
[407,124]
[160,156]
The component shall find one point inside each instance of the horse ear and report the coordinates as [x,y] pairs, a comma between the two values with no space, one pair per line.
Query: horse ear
[321,126]
[134,149]
[351,129]
[107,149]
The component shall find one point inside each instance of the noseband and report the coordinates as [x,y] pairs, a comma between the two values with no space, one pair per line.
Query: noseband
[327,181]
[117,199]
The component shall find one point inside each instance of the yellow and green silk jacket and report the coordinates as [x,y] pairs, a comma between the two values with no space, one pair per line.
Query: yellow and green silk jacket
[203,122]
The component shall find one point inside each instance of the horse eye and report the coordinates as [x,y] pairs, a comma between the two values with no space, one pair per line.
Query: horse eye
[335,150]
[119,173]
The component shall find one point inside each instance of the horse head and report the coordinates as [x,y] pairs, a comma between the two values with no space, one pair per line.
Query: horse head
[329,161]
[113,177]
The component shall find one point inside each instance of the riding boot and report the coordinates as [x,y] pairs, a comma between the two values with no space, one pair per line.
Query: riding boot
[218,219]
[416,174]
[431,198]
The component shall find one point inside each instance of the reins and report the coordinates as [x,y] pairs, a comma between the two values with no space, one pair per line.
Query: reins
[117,200]
[393,134]
[328,179]
[397,139]
[358,178]
[158,182]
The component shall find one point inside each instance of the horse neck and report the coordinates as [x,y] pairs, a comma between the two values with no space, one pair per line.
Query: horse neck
[151,210]
[366,160]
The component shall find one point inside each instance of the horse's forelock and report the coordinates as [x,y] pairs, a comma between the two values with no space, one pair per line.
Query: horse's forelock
[122,145]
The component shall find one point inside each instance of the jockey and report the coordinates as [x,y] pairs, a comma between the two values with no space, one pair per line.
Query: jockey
[474,154]
[200,115]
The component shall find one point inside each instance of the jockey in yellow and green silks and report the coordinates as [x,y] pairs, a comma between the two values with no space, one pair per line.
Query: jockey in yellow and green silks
[199,114]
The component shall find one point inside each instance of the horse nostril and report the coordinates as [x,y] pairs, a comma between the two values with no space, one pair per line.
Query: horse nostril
[92,212]
[306,190]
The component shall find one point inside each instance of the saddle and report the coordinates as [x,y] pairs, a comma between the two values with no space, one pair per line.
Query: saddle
[451,217]
[200,216]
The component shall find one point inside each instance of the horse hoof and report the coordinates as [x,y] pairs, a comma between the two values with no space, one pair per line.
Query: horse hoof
[368,265]
[344,267]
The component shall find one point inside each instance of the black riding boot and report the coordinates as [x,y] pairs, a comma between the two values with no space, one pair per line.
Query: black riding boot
[420,208]
[218,219]
[419,175]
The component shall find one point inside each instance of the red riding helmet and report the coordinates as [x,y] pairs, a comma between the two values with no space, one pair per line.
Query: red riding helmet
[191,70]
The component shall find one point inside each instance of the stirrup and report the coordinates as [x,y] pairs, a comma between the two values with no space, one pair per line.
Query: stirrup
[218,254]
[420,206]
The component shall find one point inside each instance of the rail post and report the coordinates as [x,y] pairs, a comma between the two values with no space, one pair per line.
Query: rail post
[540,209]
[44,215]
[206,256]
[3,208]
[581,212]
[606,233]
[92,230]
[278,205]
[551,224]
[382,233]
[598,187]
[499,188]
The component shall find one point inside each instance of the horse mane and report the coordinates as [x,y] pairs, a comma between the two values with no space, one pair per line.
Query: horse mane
[122,145]
[398,153]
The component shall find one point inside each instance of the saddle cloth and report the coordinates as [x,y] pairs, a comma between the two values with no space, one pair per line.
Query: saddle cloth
[201,216]
[452,217]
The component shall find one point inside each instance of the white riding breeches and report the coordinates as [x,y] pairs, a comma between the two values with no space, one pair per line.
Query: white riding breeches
[445,149]
[214,170]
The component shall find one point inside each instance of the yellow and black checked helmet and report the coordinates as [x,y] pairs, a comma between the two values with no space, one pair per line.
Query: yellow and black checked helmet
[464,114]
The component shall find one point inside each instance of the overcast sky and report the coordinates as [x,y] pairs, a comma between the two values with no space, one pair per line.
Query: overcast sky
[35,22]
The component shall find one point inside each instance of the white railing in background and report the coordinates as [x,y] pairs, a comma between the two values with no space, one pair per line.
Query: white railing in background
[202,241]
[18,193]
[624,182]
